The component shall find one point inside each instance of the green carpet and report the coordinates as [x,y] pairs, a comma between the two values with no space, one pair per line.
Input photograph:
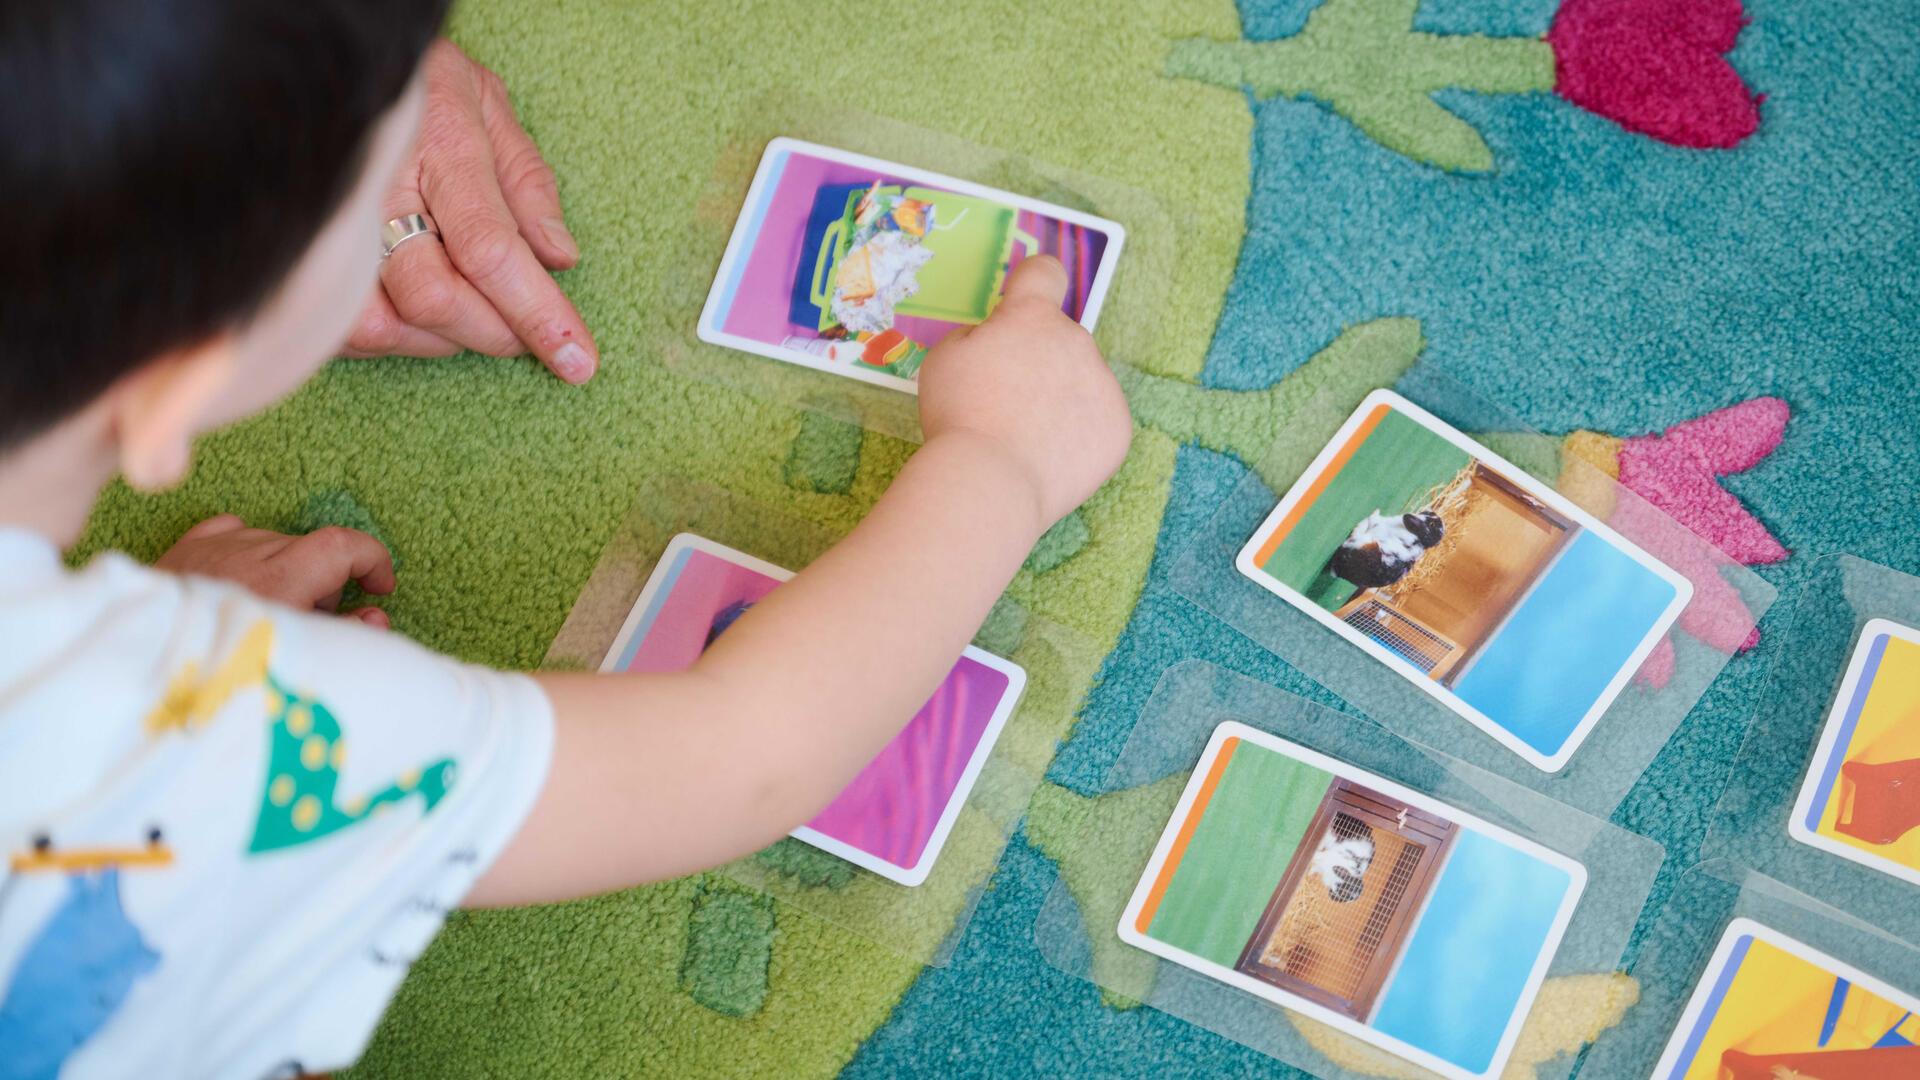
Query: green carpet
[498,486]
[1588,277]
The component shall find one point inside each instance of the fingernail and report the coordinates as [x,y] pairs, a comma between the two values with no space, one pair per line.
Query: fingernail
[558,236]
[573,363]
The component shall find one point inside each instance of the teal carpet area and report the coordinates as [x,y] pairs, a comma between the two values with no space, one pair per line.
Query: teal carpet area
[1591,279]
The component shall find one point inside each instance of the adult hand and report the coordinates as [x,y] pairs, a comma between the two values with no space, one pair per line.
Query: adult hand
[304,572]
[484,283]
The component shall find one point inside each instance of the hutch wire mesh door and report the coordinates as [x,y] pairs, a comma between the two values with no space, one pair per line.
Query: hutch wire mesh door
[1400,633]
[1343,908]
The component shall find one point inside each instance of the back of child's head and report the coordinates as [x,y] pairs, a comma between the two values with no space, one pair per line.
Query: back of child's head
[163,166]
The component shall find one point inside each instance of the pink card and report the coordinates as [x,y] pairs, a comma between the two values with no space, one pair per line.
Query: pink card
[895,816]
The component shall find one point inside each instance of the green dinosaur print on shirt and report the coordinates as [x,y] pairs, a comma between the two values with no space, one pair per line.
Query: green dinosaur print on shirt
[306,752]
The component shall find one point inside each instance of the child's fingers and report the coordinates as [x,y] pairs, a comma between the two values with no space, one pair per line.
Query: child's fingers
[372,616]
[326,559]
[1038,277]
[214,526]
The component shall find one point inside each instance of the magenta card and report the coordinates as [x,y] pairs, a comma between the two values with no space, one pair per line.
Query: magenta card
[895,816]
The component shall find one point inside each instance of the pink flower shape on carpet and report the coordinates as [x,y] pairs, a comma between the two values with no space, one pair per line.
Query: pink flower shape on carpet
[1678,473]
[1657,67]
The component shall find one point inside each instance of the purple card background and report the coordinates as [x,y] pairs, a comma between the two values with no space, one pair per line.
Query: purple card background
[757,308]
[672,638]
[890,809]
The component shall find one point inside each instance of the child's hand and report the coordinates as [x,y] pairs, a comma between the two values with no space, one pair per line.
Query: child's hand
[1029,383]
[1023,421]
[299,571]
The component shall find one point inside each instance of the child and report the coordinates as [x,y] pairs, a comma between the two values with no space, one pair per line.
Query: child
[230,824]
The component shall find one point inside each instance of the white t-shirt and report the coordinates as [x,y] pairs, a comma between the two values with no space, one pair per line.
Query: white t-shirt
[227,828]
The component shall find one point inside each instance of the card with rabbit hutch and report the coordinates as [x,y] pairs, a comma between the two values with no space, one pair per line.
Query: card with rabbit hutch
[1459,571]
[1473,585]
[1309,884]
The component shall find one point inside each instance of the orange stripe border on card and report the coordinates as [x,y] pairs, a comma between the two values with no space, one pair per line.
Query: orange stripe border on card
[1280,531]
[1185,836]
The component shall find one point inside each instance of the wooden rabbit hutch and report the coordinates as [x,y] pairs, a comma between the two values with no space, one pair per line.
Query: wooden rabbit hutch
[1338,952]
[1499,541]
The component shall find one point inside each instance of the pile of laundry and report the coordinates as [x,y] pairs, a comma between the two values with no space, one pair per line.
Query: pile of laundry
[884,253]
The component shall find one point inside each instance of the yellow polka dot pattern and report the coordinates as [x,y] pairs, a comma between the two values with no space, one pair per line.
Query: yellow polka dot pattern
[303,801]
[306,813]
[313,753]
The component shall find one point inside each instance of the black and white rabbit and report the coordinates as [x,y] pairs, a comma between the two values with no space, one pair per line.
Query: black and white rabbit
[1381,550]
[1341,862]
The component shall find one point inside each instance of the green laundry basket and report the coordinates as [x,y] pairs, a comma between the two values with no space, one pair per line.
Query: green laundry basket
[971,240]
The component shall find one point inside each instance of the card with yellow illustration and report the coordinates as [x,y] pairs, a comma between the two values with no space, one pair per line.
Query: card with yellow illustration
[1861,797]
[1769,1007]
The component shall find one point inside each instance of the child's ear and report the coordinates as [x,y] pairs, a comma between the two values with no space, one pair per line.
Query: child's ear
[158,409]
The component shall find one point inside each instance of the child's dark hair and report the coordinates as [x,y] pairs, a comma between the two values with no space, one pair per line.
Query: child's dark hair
[163,166]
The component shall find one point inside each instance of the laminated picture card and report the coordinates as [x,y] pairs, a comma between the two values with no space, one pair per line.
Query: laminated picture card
[858,266]
[1504,601]
[1341,895]
[897,813]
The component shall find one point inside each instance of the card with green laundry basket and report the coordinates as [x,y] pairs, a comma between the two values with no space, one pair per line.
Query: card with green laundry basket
[857,266]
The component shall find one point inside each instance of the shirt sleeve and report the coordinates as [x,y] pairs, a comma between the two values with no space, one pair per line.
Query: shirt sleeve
[421,770]
[392,778]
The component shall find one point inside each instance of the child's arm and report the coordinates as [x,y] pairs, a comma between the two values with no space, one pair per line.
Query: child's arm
[655,776]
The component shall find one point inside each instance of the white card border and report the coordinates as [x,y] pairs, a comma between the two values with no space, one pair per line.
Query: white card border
[1576,871]
[1828,746]
[1550,763]
[709,329]
[1743,926]
[905,875]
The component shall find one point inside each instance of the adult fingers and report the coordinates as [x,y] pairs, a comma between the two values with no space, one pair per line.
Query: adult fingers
[1038,277]
[484,244]
[428,292]
[527,182]
[382,332]
[326,559]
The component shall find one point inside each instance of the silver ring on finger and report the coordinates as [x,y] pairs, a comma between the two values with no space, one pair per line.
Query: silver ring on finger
[402,229]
